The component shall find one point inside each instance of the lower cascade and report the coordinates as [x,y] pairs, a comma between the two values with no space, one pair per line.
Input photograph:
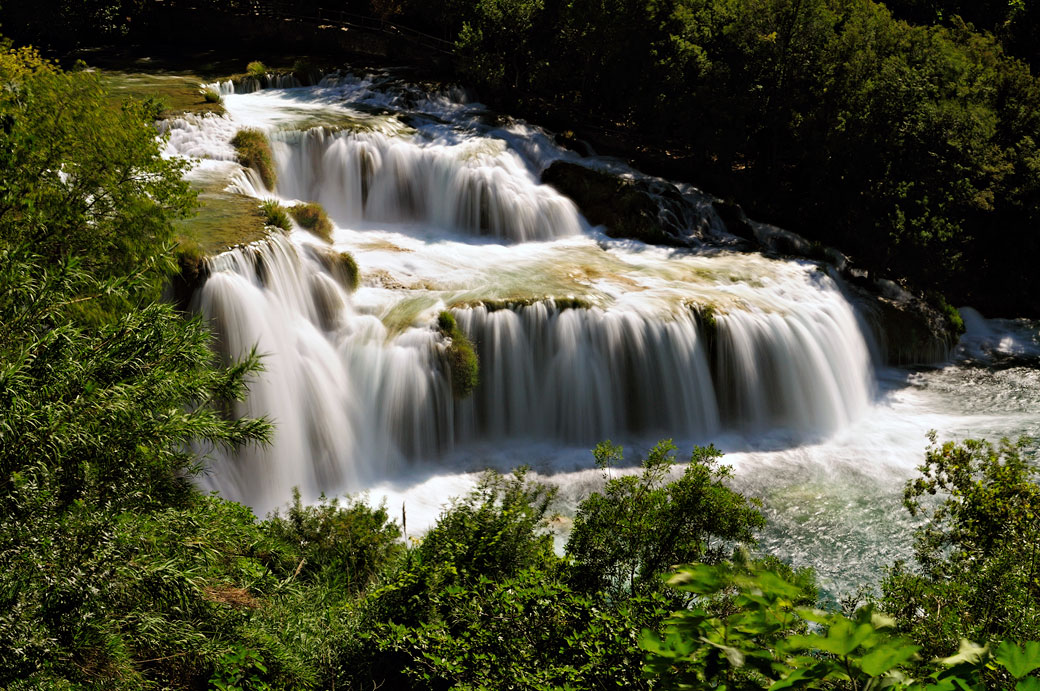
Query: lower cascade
[354,400]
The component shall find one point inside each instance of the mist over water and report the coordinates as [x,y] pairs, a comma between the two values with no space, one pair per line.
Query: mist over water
[580,337]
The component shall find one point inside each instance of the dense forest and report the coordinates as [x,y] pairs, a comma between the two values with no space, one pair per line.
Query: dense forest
[903,135]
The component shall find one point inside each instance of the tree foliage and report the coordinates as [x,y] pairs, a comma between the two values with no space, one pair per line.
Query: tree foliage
[977,569]
[640,525]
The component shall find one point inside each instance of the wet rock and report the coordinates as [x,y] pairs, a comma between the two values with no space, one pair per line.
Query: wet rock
[193,272]
[626,207]
[733,217]
[908,329]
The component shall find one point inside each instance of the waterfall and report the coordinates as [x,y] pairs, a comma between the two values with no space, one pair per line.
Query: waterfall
[579,337]
[477,186]
[353,401]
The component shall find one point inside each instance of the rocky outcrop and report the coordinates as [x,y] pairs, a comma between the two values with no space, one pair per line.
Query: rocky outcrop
[647,210]
[911,331]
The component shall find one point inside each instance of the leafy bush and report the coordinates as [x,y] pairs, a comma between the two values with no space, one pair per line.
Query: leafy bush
[763,642]
[626,536]
[311,216]
[977,566]
[342,547]
[256,69]
[254,151]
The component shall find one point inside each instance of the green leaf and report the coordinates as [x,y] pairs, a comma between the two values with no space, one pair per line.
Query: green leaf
[885,656]
[803,676]
[733,655]
[1018,661]
[968,652]
[1028,684]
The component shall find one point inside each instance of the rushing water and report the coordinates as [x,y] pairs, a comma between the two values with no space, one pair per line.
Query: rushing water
[580,337]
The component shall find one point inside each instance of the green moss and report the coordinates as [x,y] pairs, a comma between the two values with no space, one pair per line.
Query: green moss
[446,323]
[256,69]
[561,304]
[254,151]
[274,214]
[312,217]
[571,303]
[173,93]
[462,357]
[224,220]
[706,316]
[347,271]
[191,258]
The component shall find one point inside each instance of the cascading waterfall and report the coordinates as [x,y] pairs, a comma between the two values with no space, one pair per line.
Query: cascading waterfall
[475,186]
[352,401]
[580,337]
[358,385]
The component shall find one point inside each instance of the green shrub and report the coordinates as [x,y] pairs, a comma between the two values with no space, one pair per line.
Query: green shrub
[954,317]
[617,542]
[976,555]
[342,546]
[256,69]
[312,217]
[254,151]
[275,215]
[212,96]
[762,639]
[304,70]
[462,357]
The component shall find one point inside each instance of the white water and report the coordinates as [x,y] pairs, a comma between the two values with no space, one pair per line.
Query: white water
[443,211]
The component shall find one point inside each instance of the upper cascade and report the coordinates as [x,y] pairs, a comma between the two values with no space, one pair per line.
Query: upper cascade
[475,186]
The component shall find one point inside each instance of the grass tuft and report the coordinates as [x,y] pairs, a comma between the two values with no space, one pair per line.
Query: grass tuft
[462,358]
[212,96]
[275,215]
[256,69]
[347,271]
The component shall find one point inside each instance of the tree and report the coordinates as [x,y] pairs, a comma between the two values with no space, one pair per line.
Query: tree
[977,569]
[626,536]
[101,427]
[83,179]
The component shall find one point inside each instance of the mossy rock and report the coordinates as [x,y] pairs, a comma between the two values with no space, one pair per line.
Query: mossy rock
[462,357]
[254,151]
[192,272]
[312,218]
[341,265]
[559,303]
[623,206]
